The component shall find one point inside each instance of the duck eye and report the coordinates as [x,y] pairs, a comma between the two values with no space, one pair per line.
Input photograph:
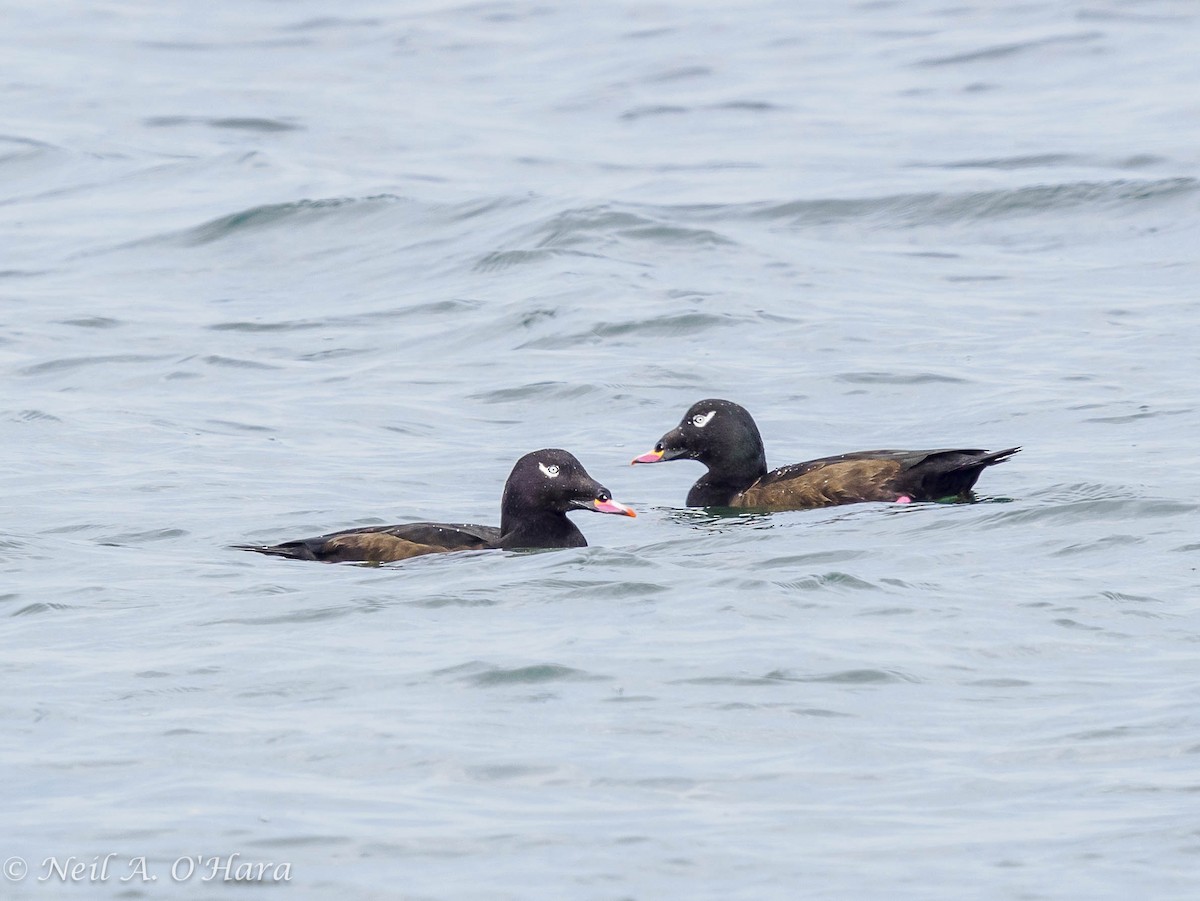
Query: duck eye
[604,497]
[659,446]
[700,420]
[550,472]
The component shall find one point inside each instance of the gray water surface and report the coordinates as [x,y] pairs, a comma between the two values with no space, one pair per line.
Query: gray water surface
[273,269]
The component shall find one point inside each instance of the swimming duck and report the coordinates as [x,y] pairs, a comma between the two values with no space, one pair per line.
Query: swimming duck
[543,487]
[723,436]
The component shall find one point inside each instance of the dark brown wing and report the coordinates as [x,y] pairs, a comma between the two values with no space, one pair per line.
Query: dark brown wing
[385,544]
[878,475]
[826,482]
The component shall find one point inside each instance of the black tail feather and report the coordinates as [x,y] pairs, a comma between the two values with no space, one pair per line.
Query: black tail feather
[954,473]
[993,457]
[294,550]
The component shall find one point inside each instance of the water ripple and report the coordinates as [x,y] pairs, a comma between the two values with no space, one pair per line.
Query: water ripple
[31,416]
[66,364]
[828,580]
[1088,510]
[911,210]
[844,677]
[898,378]
[656,224]
[1000,51]
[672,325]
[486,676]
[280,214]
[247,123]
[500,260]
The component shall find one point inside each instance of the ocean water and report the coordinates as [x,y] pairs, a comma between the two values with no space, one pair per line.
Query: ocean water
[272,269]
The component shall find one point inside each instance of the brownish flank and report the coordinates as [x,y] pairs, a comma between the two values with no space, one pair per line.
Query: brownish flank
[826,485]
[379,547]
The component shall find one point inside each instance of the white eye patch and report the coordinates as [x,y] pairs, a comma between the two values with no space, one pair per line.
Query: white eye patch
[550,472]
[700,420]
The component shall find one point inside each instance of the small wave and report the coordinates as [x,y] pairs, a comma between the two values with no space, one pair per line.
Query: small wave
[276,214]
[421,309]
[1050,161]
[293,213]
[999,682]
[535,674]
[1143,412]
[138,538]
[889,611]
[732,106]
[67,364]
[508,772]
[322,23]
[674,234]
[332,353]
[819,712]
[671,326]
[460,599]
[1103,545]
[690,225]
[101,322]
[32,416]
[291,325]
[749,106]
[1032,161]
[654,224]
[21,273]
[558,390]
[839,556]
[17,152]
[1121,15]
[843,677]
[72,528]
[826,581]
[737,681]
[912,210]
[606,590]
[235,363]
[27,143]
[1037,198]
[1084,491]
[642,112]
[1135,598]
[317,614]
[505,259]
[898,378]
[225,426]
[1088,510]
[40,607]
[1000,51]
[238,123]
[682,73]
